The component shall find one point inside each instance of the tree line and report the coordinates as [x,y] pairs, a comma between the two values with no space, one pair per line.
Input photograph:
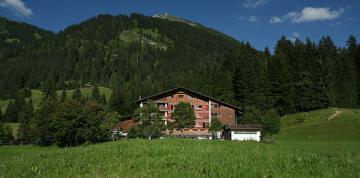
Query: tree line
[63,121]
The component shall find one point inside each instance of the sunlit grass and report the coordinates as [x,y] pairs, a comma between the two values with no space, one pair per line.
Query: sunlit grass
[316,126]
[184,158]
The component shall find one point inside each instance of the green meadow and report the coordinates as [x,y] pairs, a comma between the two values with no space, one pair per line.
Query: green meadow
[313,144]
[36,96]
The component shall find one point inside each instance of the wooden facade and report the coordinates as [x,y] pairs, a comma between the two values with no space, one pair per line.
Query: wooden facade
[204,109]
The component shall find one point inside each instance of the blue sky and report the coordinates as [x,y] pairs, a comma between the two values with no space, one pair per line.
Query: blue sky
[261,22]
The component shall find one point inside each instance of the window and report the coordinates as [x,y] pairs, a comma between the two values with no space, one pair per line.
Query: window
[216,114]
[199,107]
[203,125]
[216,105]
[161,105]
[181,96]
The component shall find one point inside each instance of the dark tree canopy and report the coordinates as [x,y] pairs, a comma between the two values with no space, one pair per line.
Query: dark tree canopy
[183,115]
[216,125]
[77,94]
[149,120]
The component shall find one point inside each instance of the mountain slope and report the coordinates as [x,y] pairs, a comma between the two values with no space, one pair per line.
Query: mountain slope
[142,55]
[322,125]
[15,36]
[139,54]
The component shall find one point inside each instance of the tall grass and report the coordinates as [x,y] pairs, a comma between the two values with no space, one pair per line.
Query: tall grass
[184,158]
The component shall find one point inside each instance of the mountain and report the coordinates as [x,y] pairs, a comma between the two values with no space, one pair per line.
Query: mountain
[167,16]
[15,36]
[141,55]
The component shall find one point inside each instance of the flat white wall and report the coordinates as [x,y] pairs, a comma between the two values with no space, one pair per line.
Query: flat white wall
[245,135]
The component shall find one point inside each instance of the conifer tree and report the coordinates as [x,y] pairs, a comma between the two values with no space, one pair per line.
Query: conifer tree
[354,55]
[77,95]
[281,85]
[327,56]
[103,100]
[10,114]
[150,119]
[63,95]
[95,93]
[43,130]
[49,89]
[1,116]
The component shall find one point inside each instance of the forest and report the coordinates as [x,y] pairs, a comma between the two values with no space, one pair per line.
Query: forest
[140,55]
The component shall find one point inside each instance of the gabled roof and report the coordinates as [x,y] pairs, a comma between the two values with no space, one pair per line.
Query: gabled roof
[186,90]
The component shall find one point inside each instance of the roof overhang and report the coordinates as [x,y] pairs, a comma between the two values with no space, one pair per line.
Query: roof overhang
[244,127]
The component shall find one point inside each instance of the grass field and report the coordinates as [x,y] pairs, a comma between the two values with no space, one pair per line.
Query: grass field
[184,158]
[36,96]
[309,145]
[320,125]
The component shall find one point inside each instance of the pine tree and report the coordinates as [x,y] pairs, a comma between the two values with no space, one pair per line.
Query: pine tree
[1,116]
[150,121]
[49,89]
[63,95]
[116,102]
[250,81]
[43,129]
[345,83]
[65,124]
[119,101]
[328,55]
[10,114]
[103,100]
[30,108]
[282,87]
[77,95]
[95,94]
[354,55]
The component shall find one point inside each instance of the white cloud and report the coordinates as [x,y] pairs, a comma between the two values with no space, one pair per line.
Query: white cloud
[17,6]
[309,14]
[252,19]
[314,14]
[275,19]
[254,3]
[296,34]
[249,18]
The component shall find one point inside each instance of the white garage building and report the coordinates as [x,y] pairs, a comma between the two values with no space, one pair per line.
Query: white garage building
[242,132]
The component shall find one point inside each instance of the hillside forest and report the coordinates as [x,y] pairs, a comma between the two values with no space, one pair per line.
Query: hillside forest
[140,55]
